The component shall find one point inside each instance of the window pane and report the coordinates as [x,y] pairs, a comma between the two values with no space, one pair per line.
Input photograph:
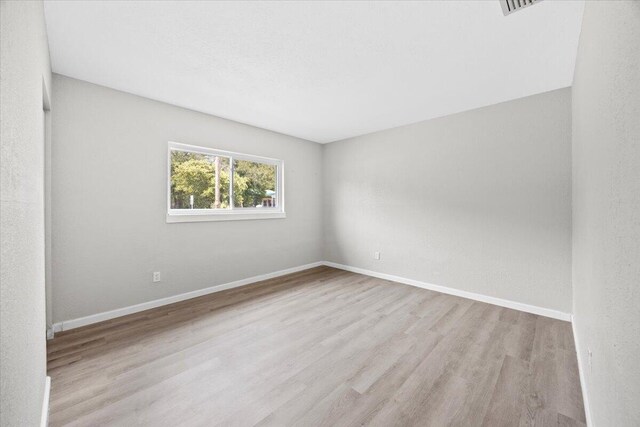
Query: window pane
[199,181]
[254,184]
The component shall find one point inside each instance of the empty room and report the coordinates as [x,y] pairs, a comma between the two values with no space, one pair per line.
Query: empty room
[320,213]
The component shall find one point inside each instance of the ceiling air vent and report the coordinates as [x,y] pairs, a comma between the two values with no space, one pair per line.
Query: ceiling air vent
[510,6]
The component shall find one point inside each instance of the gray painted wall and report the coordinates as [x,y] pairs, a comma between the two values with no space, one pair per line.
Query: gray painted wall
[479,201]
[606,210]
[109,203]
[24,64]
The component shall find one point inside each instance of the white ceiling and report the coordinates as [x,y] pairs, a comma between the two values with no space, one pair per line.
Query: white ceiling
[322,71]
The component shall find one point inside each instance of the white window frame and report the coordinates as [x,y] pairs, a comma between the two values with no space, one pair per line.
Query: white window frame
[231,214]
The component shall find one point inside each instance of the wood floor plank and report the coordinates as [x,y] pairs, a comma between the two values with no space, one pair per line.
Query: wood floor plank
[322,347]
[508,397]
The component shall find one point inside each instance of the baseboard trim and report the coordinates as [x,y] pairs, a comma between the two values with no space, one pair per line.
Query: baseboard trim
[457,292]
[119,312]
[44,416]
[112,314]
[581,370]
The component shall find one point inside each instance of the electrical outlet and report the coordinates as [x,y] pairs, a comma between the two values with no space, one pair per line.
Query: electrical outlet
[156,276]
[376,255]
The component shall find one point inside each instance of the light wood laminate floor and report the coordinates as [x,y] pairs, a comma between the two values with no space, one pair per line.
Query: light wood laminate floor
[323,347]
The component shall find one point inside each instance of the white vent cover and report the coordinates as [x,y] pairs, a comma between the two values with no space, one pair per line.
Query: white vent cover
[510,6]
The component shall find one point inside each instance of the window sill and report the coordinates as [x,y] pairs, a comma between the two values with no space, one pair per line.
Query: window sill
[172,218]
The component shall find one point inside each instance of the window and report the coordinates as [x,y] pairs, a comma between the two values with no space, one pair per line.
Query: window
[211,185]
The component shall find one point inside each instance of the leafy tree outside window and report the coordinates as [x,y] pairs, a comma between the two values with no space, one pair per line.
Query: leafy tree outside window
[202,181]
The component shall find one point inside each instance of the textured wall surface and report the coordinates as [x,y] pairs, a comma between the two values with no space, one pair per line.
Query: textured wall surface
[479,201]
[606,210]
[109,203]
[24,65]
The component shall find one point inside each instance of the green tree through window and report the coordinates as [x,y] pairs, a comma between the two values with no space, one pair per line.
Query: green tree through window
[254,184]
[201,181]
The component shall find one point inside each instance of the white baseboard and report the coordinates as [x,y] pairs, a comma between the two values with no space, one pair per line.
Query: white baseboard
[457,292]
[44,416]
[107,315]
[581,370]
